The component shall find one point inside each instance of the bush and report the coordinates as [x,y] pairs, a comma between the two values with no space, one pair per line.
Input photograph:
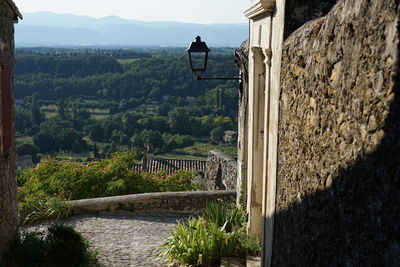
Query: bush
[217,134]
[66,247]
[46,188]
[28,149]
[35,208]
[110,177]
[61,247]
[204,240]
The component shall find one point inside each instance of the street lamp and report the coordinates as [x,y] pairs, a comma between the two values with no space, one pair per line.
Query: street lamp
[198,57]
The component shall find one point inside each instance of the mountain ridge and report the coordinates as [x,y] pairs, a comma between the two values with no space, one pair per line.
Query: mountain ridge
[51,29]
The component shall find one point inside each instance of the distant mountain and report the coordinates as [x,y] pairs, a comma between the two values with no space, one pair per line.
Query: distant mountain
[50,29]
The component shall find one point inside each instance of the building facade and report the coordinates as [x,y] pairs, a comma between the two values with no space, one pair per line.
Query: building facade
[321,161]
[264,64]
[9,15]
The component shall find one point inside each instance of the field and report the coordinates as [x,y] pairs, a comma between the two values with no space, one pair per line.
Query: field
[127,61]
[50,111]
[200,150]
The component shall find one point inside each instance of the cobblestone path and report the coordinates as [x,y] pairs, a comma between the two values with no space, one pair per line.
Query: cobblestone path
[125,240]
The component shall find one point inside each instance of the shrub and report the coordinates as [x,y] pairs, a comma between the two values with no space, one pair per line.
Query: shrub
[204,240]
[110,177]
[66,247]
[225,215]
[35,208]
[61,247]
[217,134]
[29,249]
[46,188]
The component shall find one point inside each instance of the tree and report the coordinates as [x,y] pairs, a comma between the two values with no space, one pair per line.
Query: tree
[95,132]
[179,121]
[77,147]
[46,142]
[217,134]
[29,149]
[152,137]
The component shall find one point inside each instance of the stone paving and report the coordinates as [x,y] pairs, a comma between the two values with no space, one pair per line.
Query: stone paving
[124,240]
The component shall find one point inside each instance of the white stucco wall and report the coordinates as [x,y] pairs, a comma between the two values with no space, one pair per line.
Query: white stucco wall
[266,40]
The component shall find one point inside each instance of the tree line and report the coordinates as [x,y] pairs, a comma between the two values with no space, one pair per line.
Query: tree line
[149,100]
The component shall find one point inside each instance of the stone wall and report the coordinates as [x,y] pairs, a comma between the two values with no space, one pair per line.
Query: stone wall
[8,187]
[241,59]
[151,203]
[339,140]
[221,171]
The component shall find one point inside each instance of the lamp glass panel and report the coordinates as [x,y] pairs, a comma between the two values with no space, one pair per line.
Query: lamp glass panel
[198,61]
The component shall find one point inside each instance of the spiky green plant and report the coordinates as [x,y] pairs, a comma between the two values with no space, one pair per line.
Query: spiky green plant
[204,240]
[41,207]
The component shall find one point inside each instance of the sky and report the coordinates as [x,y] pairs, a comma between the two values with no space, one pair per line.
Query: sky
[193,11]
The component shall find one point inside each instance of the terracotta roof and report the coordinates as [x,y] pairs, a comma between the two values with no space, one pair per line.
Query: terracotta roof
[14,8]
[170,166]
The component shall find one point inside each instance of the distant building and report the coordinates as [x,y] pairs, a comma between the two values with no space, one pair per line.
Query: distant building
[170,166]
[150,164]
[25,161]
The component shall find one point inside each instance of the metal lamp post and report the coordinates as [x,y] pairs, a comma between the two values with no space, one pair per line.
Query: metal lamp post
[198,57]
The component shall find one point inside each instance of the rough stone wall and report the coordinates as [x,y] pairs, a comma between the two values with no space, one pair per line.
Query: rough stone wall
[221,171]
[241,59]
[339,140]
[298,12]
[8,189]
[150,203]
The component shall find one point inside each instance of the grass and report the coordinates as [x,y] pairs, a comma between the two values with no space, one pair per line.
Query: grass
[200,149]
[49,114]
[127,61]
[178,156]
[73,156]
[98,116]
[24,139]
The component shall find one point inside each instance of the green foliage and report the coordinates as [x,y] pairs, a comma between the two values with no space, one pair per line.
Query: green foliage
[56,134]
[61,247]
[46,142]
[57,77]
[151,98]
[29,249]
[204,240]
[228,215]
[66,247]
[110,177]
[217,134]
[39,207]
[28,149]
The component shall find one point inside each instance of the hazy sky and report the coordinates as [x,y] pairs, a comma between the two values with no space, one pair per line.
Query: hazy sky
[208,11]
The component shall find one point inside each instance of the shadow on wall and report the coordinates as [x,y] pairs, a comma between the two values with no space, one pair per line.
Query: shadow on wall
[300,11]
[354,222]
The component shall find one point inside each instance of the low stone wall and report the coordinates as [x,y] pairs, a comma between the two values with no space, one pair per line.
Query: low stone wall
[150,203]
[221,171]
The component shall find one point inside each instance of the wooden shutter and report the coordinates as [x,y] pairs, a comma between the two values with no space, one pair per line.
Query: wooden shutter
[6,100]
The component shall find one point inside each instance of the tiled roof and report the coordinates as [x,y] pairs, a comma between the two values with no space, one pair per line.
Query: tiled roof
[170,166]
